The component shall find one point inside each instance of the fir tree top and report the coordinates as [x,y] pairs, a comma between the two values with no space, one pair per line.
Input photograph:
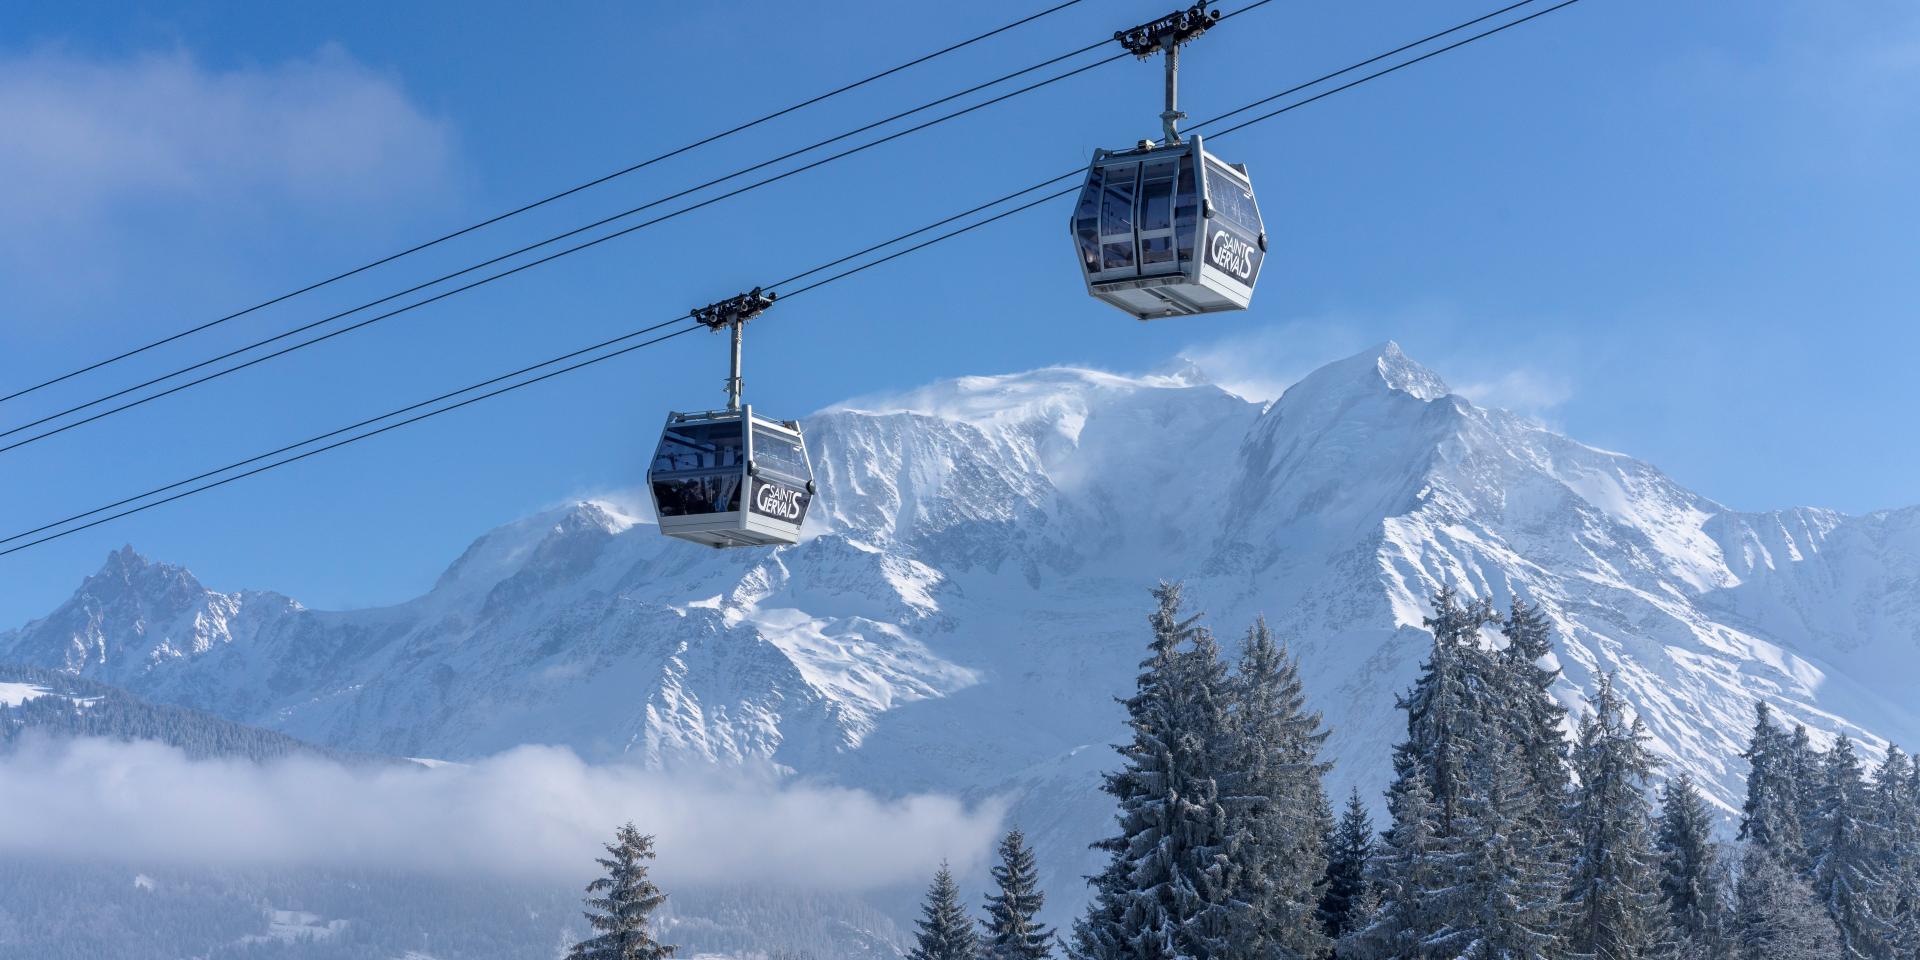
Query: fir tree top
[1013,930]
[946,932]
[624,905]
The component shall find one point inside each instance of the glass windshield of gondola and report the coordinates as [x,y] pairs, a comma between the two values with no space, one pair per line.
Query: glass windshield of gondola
[778,453]
[1234,231]
[1156,217]
[697,468]
[1231,198]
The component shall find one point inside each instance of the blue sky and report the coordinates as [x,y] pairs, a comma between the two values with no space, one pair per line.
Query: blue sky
[1684,231]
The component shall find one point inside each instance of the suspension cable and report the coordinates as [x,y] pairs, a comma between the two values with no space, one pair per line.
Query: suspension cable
[570,191]
[542,260]
[694,326]
[509,272]
[20,428]
[548,362]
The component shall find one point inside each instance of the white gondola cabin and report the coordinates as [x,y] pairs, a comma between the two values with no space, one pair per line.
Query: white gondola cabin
[728,478]
[1169,231]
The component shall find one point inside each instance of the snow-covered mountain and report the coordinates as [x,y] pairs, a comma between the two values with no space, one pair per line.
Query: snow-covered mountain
[972,595]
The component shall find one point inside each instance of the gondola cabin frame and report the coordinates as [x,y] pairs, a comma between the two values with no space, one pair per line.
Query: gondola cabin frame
[1172,230]
[728,478]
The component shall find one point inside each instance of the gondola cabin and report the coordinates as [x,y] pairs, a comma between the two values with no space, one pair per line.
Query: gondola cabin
[1169,231]
[727,478]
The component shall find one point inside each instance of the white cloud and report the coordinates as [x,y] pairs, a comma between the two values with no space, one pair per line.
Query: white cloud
[88,137]
[536,812]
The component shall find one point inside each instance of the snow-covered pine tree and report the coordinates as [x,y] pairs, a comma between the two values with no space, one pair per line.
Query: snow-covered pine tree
[1408,869]
[621,903]
[1349,852]
[1770,817]
[1211,856]
[1690,881]
[1721,942]
[1365,907]
[1540,720]
[1845,845]
[1897,808]
[1013,931]
[1324,824]
[1805,776]
[945,930]
[1466,720]
[1164,893]
[1451,706]
[1101,933]
[1777,917]
[1272,775]
[1614,892]
[1504,901]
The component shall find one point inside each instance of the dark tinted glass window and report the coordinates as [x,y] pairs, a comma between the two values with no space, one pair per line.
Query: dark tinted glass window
[1231,200]
[777,454]
[1116,204]
[1186,211]
[1156,250]
[1156,196]
[1086,223]
[699,446]
[697,495]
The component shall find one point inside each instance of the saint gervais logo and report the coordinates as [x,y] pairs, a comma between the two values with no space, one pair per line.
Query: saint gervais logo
[779,501]
[1231,253]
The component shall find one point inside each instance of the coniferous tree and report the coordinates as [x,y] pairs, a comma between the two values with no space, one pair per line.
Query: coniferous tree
[1805,778]
[1722,939]
[1165,891]
[1771,816]
[1615,891]
[1539,719]
[1212,857]
[621,904]
[1013,932]
[1365,908]
[1501,842]
[1690,878]
[1407,869]
[1897,809]
[1504,902]
[1275,798]
[1844,844]
[1453,718]
[1349,852]
[1778,918]
[945,930]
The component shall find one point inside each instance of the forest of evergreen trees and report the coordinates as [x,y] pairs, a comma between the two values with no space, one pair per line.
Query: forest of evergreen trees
[1507,838]
[78,707]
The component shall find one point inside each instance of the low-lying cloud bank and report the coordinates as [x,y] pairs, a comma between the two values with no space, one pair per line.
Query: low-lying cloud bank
[529,813]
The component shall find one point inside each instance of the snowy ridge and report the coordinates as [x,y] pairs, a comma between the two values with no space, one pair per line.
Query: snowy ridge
[971,596]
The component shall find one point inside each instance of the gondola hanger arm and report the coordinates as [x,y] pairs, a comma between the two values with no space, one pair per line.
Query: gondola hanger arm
[1166,35]
[732,315]
[736,309]
[1168,32]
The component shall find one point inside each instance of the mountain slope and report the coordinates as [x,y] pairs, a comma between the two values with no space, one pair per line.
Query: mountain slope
[972,593]
[46,703]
